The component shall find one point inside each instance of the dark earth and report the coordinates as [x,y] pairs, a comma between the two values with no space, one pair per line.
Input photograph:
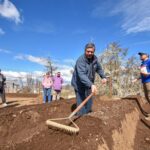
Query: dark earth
[114,124]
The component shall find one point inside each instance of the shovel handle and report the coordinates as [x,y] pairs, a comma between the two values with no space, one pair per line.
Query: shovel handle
[81,105]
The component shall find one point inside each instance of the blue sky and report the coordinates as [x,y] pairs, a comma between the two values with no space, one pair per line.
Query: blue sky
[31,31]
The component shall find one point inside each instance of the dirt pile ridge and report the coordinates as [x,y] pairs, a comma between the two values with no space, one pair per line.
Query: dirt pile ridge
[113,125]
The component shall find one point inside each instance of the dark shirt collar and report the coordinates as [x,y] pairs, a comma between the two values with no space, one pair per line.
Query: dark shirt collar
[89,60]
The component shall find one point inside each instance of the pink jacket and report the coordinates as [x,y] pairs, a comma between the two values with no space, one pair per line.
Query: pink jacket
[47,82]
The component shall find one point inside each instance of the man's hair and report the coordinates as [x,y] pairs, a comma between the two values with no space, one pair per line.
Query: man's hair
[90,45]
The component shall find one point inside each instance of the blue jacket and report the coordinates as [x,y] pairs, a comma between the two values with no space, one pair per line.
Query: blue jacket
[146,63]
[84,73]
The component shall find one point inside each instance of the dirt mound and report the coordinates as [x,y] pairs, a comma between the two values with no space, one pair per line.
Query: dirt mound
[113,125]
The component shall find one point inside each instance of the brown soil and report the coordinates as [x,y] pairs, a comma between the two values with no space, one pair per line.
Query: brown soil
[20,95]
[113,125]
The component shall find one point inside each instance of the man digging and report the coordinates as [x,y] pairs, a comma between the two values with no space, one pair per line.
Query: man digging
[84,75]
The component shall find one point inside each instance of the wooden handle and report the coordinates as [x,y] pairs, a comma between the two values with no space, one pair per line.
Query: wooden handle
[81,105]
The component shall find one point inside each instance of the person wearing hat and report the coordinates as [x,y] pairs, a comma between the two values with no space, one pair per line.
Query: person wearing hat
[145,75]
[84,75]
[2,89]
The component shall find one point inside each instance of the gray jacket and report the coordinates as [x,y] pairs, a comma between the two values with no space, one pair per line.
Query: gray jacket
[84,73]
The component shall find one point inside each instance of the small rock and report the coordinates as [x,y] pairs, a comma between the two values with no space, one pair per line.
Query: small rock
[101,112]
[21,111]
[105,123]
[14,115]
[28,117]
[147,139]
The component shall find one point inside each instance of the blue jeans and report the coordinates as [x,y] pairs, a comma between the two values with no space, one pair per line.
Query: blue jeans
[47,93]
[80,96]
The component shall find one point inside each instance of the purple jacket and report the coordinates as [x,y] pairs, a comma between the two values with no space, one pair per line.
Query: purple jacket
[57,83]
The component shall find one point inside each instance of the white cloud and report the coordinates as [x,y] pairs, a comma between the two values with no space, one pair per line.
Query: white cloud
[9,11]
[64,69]
[136,15]
[38,60]
[144,25]
[15,74]
[21,57]
[5,51]
[2,32]
[23,75]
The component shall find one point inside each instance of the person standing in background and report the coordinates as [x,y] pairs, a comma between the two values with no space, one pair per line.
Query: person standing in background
[57,86]
[145,77]
[47,87]
[2,89]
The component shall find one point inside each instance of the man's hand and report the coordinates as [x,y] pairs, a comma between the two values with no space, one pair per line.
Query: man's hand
[145,74]
[104,80]
[94,89]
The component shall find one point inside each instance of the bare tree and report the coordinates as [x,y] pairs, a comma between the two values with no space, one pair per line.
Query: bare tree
[49,66]
[121,71]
